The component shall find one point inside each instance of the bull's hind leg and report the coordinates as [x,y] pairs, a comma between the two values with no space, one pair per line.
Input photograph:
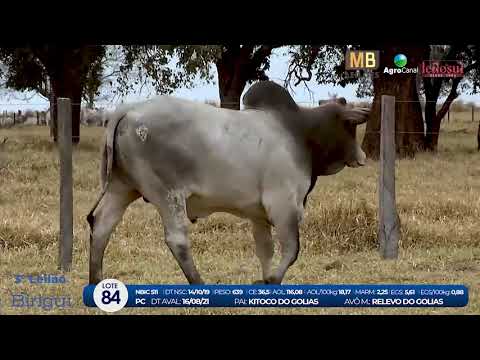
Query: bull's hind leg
[263,247]
[105,218]
[173,211]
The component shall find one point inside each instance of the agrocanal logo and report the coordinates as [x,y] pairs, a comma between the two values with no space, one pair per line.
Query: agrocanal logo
[400,61]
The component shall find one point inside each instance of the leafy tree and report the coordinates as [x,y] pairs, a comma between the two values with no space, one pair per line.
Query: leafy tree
[239,65]
[434,88]
[327,61]
[236,66]
[54,72]
[149,65]
[80,72]
[409,128]
[103,84]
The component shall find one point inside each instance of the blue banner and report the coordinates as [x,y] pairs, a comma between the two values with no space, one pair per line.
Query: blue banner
[106,294]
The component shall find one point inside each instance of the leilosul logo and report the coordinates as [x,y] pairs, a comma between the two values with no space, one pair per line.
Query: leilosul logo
[435,68]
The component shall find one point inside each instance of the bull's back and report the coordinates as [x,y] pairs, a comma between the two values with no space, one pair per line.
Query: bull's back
[221,156]
[181,132]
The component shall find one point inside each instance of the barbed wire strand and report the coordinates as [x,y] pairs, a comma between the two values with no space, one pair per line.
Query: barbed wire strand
[209,102]
[10,124]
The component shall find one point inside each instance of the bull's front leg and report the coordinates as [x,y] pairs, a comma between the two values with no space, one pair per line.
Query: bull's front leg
[285,213]
[262,235]
[288,236]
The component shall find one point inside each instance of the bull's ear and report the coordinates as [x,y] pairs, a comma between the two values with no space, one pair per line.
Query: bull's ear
[341,101]
[356,116]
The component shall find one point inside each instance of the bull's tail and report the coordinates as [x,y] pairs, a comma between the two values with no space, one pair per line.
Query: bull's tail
[106,165]
[103,166]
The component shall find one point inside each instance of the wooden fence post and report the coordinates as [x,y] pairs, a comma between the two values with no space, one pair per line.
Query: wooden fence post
[389,222]
[478,136]
[38,119]
[473,113]
[66,183]
[53,118]
[14,118]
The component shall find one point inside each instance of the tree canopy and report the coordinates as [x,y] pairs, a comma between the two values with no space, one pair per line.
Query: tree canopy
[101,72]
[236,66]
[325,63]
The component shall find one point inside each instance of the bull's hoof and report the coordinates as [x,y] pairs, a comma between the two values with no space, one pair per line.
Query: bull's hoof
[259,282]
[263,282]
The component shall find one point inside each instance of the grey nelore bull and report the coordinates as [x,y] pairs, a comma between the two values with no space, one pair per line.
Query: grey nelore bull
[191,159]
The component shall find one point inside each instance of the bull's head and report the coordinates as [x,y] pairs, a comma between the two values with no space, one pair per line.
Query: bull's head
[333,137]
[330,128]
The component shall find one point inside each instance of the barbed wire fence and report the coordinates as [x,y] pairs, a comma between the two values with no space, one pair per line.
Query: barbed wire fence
[94,116]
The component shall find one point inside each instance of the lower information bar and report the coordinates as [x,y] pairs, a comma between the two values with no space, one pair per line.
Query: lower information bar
[113,293]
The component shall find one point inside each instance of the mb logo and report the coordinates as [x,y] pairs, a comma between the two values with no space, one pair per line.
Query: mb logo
[362,60]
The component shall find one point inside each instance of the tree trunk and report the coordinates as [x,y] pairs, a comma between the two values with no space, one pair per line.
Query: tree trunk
[431,141]
[230,83]
[432,124]
[66,84]
[230,99]
[91,99]
[409,129]
[432,88]
[237,66]
[53,116]
[478,136]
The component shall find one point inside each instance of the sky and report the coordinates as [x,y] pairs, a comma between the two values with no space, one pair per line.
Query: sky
[202,92]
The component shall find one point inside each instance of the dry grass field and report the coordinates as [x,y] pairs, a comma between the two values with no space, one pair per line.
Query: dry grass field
[438,200]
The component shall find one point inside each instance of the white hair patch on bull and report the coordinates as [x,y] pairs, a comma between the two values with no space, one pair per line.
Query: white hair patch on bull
[175,198]
[142,132]
[176,203]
